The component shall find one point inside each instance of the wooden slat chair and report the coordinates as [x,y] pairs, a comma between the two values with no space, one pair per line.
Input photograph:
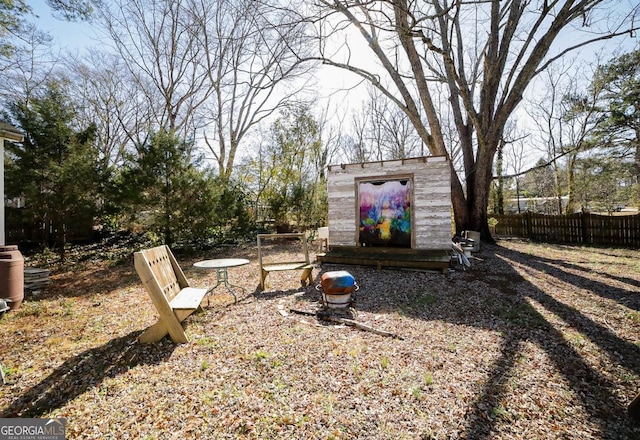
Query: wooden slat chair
[169,291]
[303,264]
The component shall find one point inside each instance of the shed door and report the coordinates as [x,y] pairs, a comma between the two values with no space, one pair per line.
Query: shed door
[385,212]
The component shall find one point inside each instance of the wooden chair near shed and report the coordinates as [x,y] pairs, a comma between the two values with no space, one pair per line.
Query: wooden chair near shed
[169,291]
[302,263]
[323,237]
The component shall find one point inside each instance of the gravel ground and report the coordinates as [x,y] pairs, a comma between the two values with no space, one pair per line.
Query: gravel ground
[534,341]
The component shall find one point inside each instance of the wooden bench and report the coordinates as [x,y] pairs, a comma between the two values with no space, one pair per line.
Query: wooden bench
[303,264]
[169,291]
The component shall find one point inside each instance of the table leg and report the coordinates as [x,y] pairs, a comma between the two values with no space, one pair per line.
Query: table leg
[222,277]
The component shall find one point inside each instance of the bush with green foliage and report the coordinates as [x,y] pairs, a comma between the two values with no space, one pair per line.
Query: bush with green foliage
[55,170]
[165,191]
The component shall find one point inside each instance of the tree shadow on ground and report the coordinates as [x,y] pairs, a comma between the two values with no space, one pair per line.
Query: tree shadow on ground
[523,323]
[84,372]
[502,300]
[619,350]
[303,292]
[561,269]
[621,279]
[100,279]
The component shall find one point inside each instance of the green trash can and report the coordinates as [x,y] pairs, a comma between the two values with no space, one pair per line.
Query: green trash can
[11,276]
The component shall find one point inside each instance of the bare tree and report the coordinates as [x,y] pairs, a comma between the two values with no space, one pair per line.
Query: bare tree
[29,66]
[357,148]
[395,137]
[515,160]
[381,131]
[484,54]
[330,130]
[108,97]
[253,52]
[510,152]
[566,115]
[210,71]
[548,114]
[159,43]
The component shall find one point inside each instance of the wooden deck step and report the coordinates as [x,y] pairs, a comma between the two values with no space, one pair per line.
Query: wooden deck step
[388,257]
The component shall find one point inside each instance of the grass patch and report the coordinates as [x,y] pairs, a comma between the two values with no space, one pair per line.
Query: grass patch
[426,299]
[428,379]
[34,309]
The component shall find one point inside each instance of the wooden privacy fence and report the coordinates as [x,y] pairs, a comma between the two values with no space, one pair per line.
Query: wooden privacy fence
[20,227]
[580,228]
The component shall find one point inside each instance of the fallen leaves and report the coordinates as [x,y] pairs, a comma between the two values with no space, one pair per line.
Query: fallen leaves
[532,342]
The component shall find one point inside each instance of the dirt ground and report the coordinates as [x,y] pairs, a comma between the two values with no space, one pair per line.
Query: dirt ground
[534,341]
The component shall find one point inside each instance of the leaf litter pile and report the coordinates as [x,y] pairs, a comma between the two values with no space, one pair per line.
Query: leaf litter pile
[534,341]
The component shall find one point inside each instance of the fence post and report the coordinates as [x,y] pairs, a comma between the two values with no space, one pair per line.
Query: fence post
[529,227]
[584,226]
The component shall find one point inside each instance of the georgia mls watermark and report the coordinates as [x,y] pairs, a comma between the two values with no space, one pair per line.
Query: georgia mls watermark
[32,429]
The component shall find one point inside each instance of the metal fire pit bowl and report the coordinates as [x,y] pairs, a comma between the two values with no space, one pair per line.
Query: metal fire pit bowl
[343,300]
[4,306]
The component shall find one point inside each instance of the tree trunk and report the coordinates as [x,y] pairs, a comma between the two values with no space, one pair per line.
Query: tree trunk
[459,202]
[636,164]
[571,202]
[499,206]
[478,201]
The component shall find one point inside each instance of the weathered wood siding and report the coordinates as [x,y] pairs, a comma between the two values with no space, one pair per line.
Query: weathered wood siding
[431,199]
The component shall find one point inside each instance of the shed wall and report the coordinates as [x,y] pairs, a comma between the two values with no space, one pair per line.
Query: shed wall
[431,202]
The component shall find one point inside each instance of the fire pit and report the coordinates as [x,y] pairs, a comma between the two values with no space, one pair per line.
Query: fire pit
[338,289]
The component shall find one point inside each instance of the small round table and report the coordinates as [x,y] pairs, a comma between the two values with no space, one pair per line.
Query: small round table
[222,276]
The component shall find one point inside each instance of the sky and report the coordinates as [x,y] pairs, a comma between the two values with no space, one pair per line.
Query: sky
[67,35]
[78,36]
[336,85]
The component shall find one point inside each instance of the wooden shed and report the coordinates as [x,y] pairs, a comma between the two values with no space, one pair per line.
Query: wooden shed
[390,213]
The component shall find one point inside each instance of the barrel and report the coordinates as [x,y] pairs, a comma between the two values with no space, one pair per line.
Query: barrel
[11,276]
